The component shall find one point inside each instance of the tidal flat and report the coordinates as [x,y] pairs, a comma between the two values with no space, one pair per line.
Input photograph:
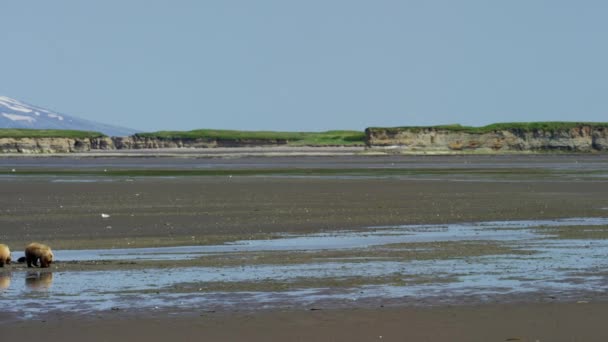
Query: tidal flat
[150,235]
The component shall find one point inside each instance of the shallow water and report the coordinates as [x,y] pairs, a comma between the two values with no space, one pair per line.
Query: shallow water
[567,267]
[374,236]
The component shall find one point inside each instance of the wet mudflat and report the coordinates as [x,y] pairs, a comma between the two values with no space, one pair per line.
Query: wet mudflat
[410,265]
[183,159]
[355,237]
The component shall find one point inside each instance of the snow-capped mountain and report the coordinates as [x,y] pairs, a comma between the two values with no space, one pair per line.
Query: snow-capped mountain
[16,114]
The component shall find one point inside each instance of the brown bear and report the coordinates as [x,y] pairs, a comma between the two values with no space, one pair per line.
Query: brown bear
[37,251]
[5,255]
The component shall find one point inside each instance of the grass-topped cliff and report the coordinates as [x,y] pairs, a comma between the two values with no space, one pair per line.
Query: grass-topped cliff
[504,126]
[499,137]
[291,138]
[47,133]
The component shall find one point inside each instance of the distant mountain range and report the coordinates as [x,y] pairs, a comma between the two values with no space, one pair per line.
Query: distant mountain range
[16,114]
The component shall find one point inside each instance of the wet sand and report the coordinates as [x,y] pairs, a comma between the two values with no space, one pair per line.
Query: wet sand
[185,159]
[493,322]
[157,211]
[64,210]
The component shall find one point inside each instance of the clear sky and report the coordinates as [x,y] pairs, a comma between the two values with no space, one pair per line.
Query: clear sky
[307,65]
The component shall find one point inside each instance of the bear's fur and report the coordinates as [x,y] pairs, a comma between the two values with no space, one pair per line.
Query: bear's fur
[37,251]
[5,255]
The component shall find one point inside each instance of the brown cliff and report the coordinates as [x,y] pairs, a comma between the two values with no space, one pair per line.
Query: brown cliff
[54,145]
[456,139]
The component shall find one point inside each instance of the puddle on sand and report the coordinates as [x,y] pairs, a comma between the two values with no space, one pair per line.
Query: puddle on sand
[374,236]
[558,266]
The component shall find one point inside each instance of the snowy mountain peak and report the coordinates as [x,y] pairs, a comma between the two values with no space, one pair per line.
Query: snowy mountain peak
[17,114]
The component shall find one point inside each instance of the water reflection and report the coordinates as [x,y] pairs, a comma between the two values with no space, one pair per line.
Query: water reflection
[36,280]
[5,281]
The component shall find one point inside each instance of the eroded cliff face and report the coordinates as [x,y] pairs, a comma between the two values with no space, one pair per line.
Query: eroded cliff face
[67,145]
[136,142]
[579,139]
[53,145]
[417,140]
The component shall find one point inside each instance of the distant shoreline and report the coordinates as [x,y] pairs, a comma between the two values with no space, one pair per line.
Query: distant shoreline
[281,151]
[215,152]
[507,138]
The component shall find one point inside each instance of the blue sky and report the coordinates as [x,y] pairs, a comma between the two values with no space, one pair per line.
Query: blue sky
[307,65]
